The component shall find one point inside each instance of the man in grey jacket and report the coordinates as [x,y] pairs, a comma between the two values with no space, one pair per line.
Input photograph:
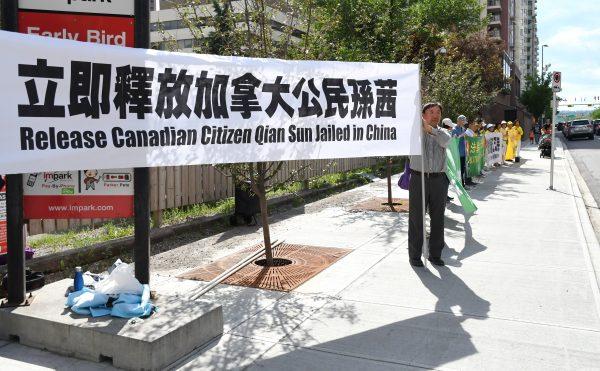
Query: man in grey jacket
[435,141]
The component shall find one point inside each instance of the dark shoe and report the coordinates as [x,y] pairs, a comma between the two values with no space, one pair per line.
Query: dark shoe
[436,261]
[416,262]
[471,184]
[448,198]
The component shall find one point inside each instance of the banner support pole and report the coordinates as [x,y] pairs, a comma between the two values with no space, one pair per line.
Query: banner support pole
[425,248]
[15,236]
[141,176]
[553,144]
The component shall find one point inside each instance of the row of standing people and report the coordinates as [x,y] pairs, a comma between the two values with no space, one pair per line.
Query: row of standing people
[512,133]
[432,169]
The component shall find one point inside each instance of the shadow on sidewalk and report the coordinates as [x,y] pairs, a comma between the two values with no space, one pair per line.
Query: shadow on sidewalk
[430,340]
[253,325]
[471,247]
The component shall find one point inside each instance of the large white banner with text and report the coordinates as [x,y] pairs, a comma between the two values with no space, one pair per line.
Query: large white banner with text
[67,105]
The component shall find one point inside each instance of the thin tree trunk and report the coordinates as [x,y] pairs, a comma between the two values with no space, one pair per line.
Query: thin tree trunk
[309,22]
[247,19]
[263,28]
[389,183]
[264,216]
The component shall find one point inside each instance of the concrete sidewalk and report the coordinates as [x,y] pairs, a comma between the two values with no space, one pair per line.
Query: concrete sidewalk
[519,290]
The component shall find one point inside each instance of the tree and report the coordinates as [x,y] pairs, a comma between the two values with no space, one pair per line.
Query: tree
[486,52]
[537,94]
[595,115]
[388,30]
[260,176]
[246,33]
[458,86]
[225,39]
[400,31]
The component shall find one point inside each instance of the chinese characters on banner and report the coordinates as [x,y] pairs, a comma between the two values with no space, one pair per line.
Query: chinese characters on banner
[69,105]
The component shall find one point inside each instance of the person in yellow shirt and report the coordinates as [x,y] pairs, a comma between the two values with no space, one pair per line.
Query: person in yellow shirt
[504,131]
[511,148]
[520,133]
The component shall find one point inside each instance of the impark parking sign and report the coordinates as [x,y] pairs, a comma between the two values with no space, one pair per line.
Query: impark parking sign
[89,21]
[90,193]
[68,105]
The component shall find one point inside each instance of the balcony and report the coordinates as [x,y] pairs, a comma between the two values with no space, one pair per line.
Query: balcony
[494,5]
[495,34]
[495,20]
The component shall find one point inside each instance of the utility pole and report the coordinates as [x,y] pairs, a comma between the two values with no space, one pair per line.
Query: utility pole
[556,87]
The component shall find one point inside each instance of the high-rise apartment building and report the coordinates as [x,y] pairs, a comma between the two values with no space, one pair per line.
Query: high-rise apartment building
[526,42]
[514,22]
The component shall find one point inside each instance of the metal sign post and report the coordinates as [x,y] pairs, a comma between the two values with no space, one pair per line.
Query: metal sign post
[14,195]
[141,177]
[556,87]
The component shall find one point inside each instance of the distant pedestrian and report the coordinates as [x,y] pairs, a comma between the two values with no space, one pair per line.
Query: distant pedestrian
[531,136]
[435,141]
[537,132]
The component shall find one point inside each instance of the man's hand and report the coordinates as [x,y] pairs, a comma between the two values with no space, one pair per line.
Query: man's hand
[427,128]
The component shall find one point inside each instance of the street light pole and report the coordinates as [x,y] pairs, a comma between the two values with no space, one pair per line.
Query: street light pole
[543,46]
[542,79]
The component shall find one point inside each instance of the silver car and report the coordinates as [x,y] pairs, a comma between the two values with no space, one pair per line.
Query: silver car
[580,128]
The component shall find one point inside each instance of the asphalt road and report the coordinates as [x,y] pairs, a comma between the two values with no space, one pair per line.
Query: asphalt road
[586,154]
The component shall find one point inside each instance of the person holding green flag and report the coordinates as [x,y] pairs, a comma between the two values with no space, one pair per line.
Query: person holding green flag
[431,167]
[453,173]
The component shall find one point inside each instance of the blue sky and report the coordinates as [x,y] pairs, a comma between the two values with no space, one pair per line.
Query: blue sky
[572,31]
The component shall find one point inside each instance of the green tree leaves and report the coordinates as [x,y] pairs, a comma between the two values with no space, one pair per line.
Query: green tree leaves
[459,87]
[537,95]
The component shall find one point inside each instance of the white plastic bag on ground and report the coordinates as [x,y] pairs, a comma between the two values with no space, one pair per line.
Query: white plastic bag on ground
[120,281]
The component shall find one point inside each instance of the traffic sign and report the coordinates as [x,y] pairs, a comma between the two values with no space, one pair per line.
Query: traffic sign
[556,81]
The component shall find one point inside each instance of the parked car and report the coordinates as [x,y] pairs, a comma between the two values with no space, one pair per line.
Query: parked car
[580,128]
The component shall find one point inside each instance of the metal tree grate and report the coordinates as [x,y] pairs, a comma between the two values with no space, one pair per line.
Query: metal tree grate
[379,204]
[307,262]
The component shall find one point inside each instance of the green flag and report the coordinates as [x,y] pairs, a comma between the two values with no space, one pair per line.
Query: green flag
[475,155]
[453,173]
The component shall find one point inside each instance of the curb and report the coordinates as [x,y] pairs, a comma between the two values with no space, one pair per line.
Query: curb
[582,197]
[60,261]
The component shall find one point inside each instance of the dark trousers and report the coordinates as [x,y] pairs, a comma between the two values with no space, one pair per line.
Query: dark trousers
[436,190]
[463,171]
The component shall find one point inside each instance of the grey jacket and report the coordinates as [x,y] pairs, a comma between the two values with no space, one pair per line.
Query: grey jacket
[435,152]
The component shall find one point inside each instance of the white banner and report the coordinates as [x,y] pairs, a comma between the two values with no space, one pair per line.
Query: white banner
[493,149]
[67,105]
